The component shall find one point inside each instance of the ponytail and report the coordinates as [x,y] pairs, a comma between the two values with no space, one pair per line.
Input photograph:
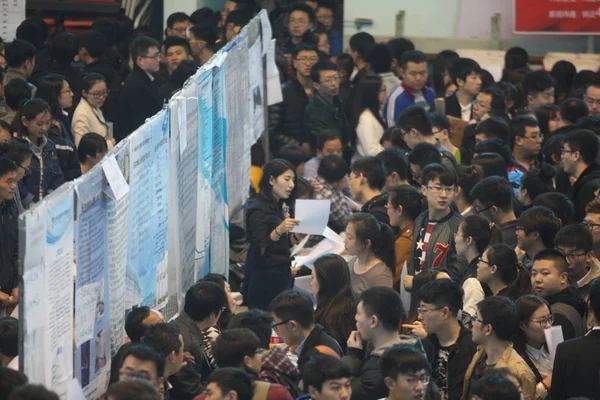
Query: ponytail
[510,270]
[380,235]
[482,231]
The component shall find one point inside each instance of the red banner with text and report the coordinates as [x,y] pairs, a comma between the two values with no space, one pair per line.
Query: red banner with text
[557,16]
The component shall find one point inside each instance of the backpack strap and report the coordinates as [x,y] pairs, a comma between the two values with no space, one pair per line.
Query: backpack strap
[572,315]
[261,390]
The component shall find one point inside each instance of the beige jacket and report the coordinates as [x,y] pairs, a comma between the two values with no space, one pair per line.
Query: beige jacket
[88,118]
[511,361]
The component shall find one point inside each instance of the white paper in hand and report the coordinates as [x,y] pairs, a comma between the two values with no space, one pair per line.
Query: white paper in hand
[313,216]
[298,248]
[554,337]
[117,185]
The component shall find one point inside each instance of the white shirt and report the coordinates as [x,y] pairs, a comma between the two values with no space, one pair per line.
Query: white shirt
[465,111]
[541,359]
[369,132]
[582,280]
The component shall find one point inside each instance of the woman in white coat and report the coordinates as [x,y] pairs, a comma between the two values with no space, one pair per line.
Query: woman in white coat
[369,98]
[88,116]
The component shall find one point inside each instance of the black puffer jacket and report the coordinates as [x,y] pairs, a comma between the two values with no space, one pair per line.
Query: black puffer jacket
[9,249]
[286,119]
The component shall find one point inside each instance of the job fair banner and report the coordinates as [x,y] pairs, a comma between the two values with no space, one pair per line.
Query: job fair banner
[143,225]
[552,16]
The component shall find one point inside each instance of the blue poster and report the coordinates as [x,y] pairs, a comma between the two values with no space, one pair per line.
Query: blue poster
[92,288]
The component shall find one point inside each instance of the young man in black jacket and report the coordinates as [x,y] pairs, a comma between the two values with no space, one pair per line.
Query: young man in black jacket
[441,301]
[367,179]
[9,235]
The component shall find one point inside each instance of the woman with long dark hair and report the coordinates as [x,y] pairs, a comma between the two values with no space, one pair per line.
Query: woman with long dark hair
[535,182]
[468,176]
[371,244]
[56,91]
[336,304]
[369,97]
[269,221]
[535,316]
[500,269]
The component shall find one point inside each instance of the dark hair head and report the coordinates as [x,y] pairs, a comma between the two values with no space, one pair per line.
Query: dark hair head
[17,151]
[505,259]
[89,80]
[204,16]
[274,169]
[538,180]
[415,117]
[440,121]
[9,336]
[519,125]
[144,352]
[480,229]
[536,82]
[553,147]
[511,94]
[164,338]
[369,231]
[399,46]
[527,305]
[134,323]
[49,89]
[515,58]
[445,175]
[500,147]
[385,304]
[326,136]
[322,368]
[206,33]
[108,28]
[305,8]
[544,115]
[132,389]
[30,110]
[443,62]
[379,58]
[184,71]
[176,17]
[33,30]
[501,313]
[443,293]
[173,41]
[232,345]
[563,73]
[366,97]
[361,42]
[333,168]
[33,392]
[413,56]
[233,379]
[204,299]
[394,161]
[333,276]
[590,123]
[402,359]
[495,387]
[141,45]
[372,169]
[17,91]
[64,48]
[304,47]
[10,380]
[293,154]
[463,67]
[494,128]
[586,143]
[345,62]
[238,18]
[303,189]
[257,321]
[572,110]
[492,164]
[498,102]
[594,298]
[293,305]
[559,203]
[409,198]
[543,221]
[424,154]
[17,52]
[554,255]
[315,72]
[468,176]
[6,166]
[90,145]
[577,236]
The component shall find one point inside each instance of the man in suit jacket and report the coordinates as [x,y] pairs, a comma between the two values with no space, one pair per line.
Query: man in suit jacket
[140,98]
[204,303]
[576,371]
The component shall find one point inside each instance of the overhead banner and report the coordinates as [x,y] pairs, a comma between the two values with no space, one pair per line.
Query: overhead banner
[578,17]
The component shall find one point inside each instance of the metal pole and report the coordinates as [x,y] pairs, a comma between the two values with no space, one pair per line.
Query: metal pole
[400,23]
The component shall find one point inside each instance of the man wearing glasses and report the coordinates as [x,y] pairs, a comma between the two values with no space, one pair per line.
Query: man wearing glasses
[141,361]
[406,373]
[140,98]
[579,162]
[526,145]
[494,326]
[592,222]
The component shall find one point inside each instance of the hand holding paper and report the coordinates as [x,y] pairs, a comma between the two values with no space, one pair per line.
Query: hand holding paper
[313,216]
[287,225]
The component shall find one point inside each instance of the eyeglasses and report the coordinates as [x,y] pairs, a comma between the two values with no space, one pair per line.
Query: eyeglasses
[27,170]
[440,189]
[306,60]
[423,311]
[280,323]
[475,319]
[520,228]
[154,57]
[481,260]
[478,210]
[535,137]
[590,225]
[414,380]
[572,256]
[563,151]
[133,374]
[223,309]
[99,94]
[69,90]
[544,321]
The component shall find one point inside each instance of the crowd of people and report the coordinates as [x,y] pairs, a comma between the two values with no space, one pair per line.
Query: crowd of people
[469,209]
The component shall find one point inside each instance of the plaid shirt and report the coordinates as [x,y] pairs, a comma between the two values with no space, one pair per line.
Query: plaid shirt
[340,211]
